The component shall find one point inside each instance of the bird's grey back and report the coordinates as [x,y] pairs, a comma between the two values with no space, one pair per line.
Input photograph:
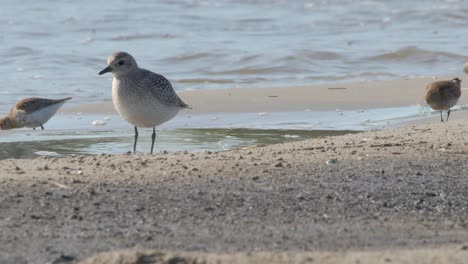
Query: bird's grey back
[159,87]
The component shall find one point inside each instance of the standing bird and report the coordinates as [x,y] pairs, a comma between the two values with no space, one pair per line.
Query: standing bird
[443,95]
[143,98]
[31,112]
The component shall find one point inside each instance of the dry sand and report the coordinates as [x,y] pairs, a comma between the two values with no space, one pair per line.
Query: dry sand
[394,196]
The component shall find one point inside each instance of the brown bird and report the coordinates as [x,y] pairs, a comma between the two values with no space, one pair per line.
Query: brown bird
[31,112]
[443,95]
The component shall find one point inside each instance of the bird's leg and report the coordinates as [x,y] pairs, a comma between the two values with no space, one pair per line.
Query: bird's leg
[441,119]
[135,141]
[42,127]
[153,137]
[448,114]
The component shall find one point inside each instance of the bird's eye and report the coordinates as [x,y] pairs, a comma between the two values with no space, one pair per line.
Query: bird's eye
[121,62]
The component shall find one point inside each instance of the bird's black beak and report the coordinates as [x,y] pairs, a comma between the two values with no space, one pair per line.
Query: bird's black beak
[107,69]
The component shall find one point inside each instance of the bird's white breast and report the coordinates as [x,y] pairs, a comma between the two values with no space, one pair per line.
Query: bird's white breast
[140,107]
[38,117]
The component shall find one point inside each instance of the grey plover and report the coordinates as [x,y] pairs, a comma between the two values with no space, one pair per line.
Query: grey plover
[443,95]
[143,98]
[31,112]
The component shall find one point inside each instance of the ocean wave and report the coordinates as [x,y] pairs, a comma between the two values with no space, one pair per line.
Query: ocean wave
[415,54]
[203,80]
[37,34]
[256,70]
[142,36]
[192,56]
[318,55]
[255,20]
[358,76]
[19,51]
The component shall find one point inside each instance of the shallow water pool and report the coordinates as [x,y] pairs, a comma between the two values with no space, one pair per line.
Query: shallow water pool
[76,134]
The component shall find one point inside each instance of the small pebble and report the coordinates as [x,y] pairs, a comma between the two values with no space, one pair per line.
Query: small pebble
[279,165]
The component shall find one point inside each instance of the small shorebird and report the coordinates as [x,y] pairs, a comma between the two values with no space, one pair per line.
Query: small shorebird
[143,98]
[31,112]
[443,95]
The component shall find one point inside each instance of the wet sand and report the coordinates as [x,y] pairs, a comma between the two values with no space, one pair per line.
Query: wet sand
[354,96]
[370,196]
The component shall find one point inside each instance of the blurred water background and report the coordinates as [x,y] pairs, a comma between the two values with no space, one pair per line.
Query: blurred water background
[56,48]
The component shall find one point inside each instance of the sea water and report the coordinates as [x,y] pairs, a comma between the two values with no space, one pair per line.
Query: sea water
[56,48]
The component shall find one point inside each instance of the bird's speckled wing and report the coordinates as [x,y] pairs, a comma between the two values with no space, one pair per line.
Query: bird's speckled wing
[161,88]
[33,104]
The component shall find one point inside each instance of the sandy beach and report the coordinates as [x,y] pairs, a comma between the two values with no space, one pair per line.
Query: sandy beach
[307,139]
[365,195]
